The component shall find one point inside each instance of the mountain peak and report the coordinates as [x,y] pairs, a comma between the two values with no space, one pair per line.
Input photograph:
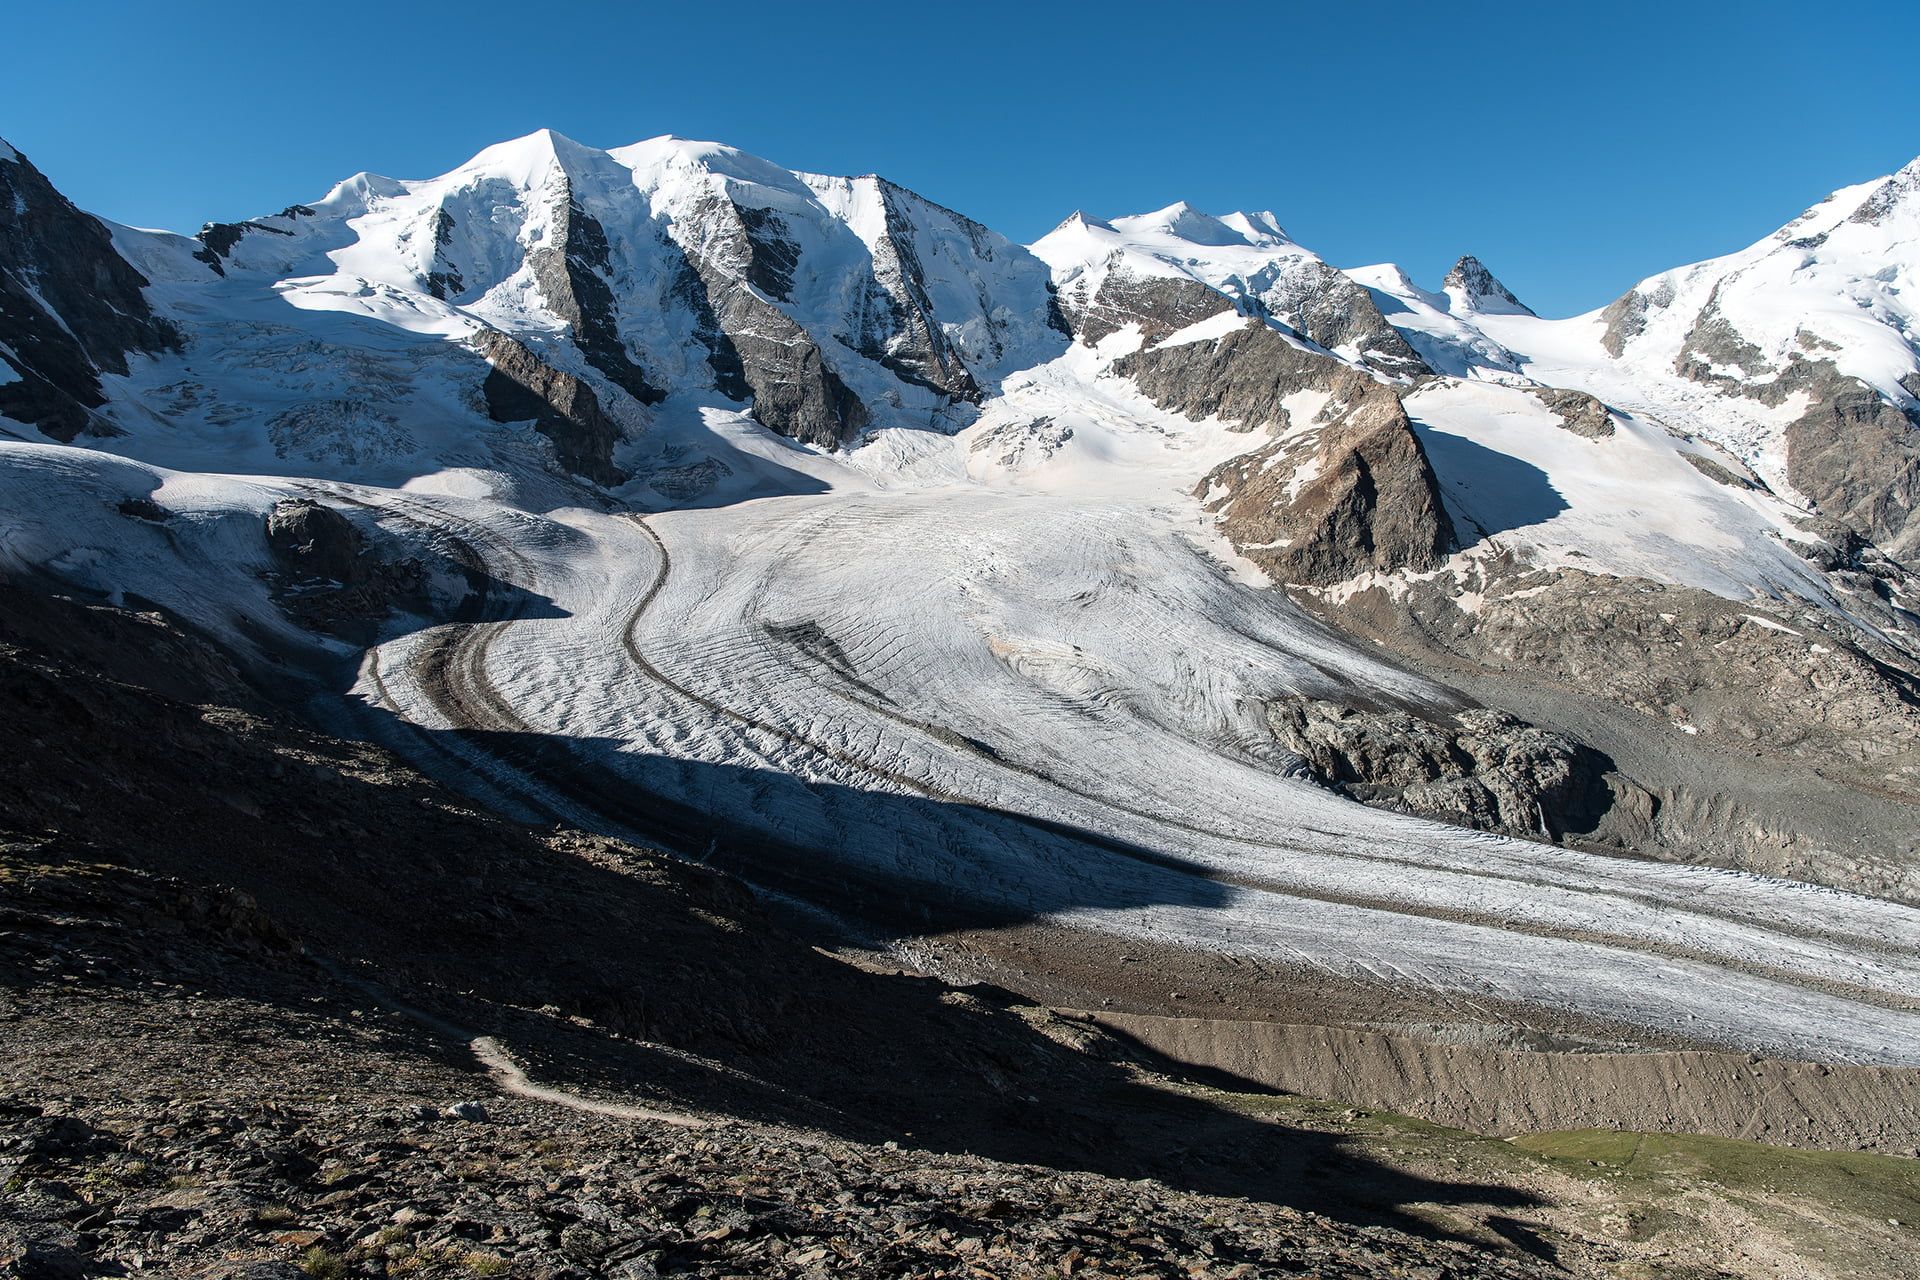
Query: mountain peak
[1184,222]
[1080,218]
[1258,226]
[1900,190]
[1480,290]
[532,155]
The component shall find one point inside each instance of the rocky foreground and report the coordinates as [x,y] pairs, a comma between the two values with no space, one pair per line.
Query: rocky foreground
[273,1005]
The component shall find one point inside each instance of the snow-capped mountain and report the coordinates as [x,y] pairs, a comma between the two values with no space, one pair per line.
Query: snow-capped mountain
[805,507]
[833,305]
[1244,257]
[1796,354]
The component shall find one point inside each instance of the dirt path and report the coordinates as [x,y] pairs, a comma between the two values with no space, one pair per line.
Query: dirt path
[494,1058]
[509,1077]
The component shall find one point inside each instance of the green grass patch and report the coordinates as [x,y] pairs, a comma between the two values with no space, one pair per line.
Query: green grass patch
[1859,1182]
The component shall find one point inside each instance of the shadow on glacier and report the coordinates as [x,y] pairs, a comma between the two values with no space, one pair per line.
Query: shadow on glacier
[1493,491]
[685,462]
[880,864]
[870,1057]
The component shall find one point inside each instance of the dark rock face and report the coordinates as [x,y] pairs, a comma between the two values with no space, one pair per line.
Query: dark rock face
[1481,288]
[1485,770]
[774,254]
[330,579]
[1713,341]
[1626,318]
[1857,456]
[1853,452]
[1580,413]
[217,239]
[315,541]
[444,280]
[1159,306]
[523,388]
[1328,308]
[1242,377]
[572,271]
[1722,475]
[1370,503]
[1320,304]
[71,308]
[1804,685]
[1902,186]
[689,289]
[895,323]
[1767,737]
[756,350]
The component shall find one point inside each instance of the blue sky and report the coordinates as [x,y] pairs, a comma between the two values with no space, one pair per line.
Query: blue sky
[1575,147]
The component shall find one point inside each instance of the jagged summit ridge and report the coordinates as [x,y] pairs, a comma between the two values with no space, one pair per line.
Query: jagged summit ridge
[1479,290]
[1175,266]
[671,266]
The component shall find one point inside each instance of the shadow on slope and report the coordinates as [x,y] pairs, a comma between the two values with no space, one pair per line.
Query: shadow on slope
[600,964]
[1488,492]
[885,864]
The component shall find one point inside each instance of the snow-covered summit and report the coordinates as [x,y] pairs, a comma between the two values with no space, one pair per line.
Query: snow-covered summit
[670,266]
[1841,279]
[1245,258]
[1474,288]
[1234,253]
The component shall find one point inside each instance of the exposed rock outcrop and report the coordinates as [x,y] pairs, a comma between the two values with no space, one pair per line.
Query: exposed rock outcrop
[218,239]
[1778,740]
[1486,769]
[1857,456]
[1325,306]
[330,579]
[1160,305]
[71,308]
[1243,378]
[738,259]
[895,323]
[571,272]
[1580,413]
[1350,493]
[1625,318]
[1719,473]
[521,387]
[444,279]
[315,541]
[1472,283]
[1798,682]
[1851,451]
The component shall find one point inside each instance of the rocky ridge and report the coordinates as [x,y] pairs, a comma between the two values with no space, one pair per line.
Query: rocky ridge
[71,308]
